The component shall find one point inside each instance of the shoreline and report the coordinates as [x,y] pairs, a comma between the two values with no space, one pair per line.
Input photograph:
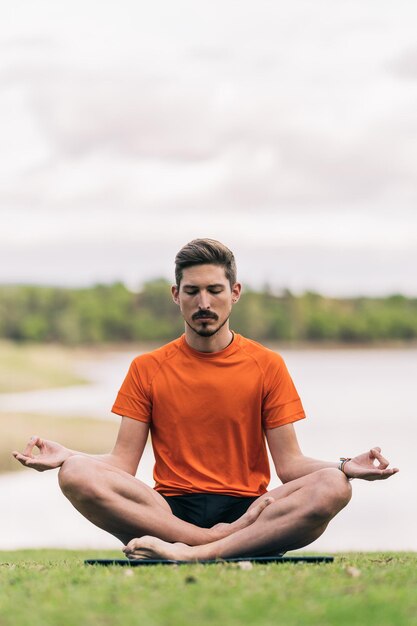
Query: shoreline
[85,350]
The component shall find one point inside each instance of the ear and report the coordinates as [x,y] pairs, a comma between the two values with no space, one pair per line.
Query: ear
[236,291]
[175,294]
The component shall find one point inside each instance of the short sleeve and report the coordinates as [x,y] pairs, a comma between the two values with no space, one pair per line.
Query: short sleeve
[281,402]
[133,399]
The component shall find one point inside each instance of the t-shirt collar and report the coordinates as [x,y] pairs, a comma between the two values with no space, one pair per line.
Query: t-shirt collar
[230,349]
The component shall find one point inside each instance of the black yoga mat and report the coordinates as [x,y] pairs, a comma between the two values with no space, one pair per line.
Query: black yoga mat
[252,559]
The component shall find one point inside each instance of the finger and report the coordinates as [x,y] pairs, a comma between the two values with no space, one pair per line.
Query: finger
[30,461]
[376,454]
[19,457]
[386,473]
[393,470]
[377,474]
[33,441]
[27,461]
[28,450]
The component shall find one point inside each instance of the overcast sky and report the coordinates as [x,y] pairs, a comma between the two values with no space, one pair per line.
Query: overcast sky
[286,129]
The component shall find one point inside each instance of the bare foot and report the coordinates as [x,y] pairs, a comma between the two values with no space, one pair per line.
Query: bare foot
[153,548]
[148,547]
[224,530]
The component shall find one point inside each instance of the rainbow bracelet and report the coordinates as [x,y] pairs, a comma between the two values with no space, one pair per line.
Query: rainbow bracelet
[342,461]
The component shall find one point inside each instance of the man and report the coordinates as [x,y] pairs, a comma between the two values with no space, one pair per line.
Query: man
[211,399]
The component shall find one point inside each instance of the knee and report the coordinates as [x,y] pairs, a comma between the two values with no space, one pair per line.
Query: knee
[76,478]
[331,494]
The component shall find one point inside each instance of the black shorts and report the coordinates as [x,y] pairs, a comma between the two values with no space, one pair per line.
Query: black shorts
[207,509]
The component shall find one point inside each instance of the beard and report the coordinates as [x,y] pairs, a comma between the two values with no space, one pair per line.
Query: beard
[206,332]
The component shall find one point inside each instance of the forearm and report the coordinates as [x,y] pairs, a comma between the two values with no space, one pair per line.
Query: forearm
[125,455]
[110,459]
[290,463]
[301,465]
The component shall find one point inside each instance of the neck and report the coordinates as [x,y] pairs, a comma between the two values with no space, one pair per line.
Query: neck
[215,343]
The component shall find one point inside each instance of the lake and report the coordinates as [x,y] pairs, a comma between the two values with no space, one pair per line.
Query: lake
[354,399]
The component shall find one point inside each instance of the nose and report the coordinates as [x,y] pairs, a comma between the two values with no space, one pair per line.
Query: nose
[204,300]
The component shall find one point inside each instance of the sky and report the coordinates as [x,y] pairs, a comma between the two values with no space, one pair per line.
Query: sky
[286,130]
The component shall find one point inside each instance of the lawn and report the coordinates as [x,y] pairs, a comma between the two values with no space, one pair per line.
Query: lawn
[43,588]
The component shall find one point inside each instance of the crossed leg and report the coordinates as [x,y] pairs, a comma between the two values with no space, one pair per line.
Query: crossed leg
[127,508]
[299,514]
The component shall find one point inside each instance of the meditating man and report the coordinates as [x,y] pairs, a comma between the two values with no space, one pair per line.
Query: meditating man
[212,400]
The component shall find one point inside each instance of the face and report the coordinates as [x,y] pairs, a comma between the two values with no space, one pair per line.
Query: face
[205,298]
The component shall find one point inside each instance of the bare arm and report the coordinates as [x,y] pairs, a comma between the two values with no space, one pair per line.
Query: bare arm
[126,453]
[290,463]
[130,444]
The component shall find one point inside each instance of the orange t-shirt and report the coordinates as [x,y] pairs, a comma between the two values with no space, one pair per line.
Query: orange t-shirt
[208,412]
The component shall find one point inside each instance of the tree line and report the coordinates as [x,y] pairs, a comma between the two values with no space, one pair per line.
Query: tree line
[113,313]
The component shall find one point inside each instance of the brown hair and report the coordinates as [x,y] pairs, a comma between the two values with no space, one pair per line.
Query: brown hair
[205,252]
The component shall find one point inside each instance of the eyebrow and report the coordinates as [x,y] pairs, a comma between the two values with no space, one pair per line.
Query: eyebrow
[189,286]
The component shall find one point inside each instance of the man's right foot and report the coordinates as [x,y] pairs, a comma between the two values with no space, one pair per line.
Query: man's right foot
[224,530]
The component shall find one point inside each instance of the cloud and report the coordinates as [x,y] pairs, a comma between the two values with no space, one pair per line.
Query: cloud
[123,113]
[405,65]
[198,137]
[202,128]
[288,171]
[161,122]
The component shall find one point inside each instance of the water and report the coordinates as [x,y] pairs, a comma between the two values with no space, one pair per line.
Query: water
[354,399]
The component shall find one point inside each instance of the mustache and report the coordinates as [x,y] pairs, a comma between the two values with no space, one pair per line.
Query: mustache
[205,315]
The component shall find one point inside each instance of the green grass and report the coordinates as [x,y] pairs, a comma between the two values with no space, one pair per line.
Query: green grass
[47,587]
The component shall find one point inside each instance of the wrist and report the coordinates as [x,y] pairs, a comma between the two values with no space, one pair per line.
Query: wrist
[341,465]
[66,454]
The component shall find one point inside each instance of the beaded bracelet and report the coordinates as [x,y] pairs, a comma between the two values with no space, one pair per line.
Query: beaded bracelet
[342,461]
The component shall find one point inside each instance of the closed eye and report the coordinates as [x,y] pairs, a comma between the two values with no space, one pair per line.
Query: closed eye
[193,292]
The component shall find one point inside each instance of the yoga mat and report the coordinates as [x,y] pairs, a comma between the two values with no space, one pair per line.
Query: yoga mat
[252,559]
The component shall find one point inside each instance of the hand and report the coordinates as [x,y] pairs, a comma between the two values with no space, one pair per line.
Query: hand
[51,454]
[362,466]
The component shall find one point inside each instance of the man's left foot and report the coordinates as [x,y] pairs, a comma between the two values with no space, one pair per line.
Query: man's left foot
[147,547]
